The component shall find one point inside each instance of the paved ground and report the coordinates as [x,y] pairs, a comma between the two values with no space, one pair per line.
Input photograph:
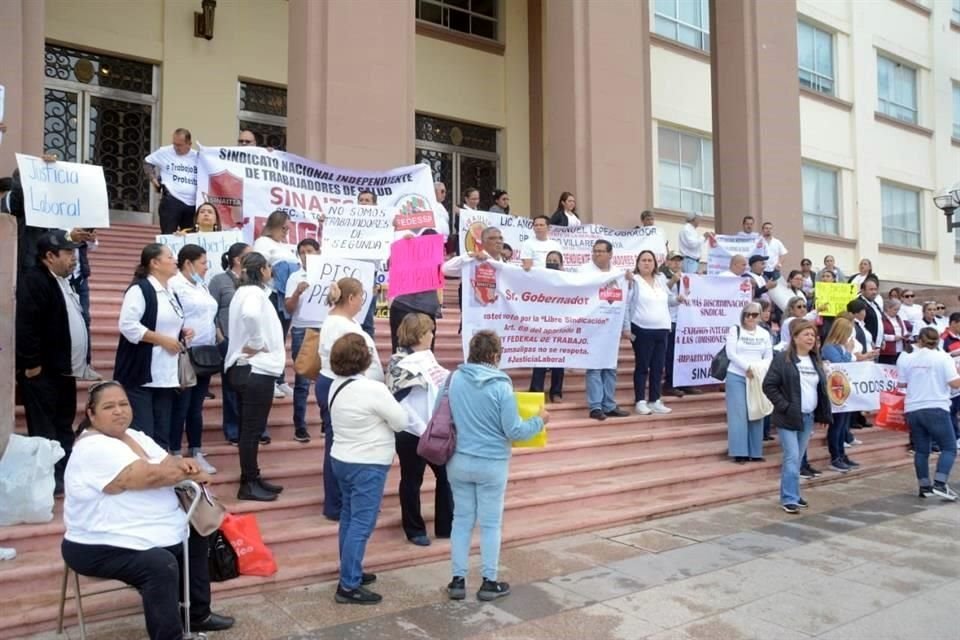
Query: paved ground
[868,560]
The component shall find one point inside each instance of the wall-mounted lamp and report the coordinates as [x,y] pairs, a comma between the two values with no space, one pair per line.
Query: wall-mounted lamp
[203,20]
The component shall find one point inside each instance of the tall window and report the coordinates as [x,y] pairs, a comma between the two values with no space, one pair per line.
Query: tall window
[901,216]
[476,17]
[820,199]
[815,58]
[102,109]
[686,21]
[263,109]
[896,89]
[685,171]
[461,155]
[956,110]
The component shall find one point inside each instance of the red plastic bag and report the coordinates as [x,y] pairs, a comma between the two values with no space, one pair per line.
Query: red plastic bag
[890,415]
[253,556]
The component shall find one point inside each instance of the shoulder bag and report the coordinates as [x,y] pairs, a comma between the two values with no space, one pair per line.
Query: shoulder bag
[307,363]
[209,514]
[439,440]
[206,360]
[721,362]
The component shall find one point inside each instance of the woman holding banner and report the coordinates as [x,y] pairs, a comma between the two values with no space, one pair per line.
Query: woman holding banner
[796,385]
[928,375]
[746,344]
[839,346]
[648,319]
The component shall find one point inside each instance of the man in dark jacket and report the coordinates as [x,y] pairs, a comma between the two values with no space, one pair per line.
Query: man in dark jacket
[51,343]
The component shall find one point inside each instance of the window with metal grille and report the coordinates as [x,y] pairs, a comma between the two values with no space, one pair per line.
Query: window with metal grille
[896,89]
[476,17]
[815,58]
[262,109]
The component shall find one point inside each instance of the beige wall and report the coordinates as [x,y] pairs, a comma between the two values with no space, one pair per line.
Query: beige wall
[198,78]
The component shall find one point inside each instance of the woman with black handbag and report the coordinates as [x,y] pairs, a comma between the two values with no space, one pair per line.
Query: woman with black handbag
[199,314]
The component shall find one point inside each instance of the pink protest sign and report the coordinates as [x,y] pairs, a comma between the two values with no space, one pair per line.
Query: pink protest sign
[415,265]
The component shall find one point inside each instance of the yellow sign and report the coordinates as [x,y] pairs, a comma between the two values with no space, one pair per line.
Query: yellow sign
[835,295]
[529,404]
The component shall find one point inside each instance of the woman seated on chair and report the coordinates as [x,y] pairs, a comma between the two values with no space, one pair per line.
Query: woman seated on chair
[124,521]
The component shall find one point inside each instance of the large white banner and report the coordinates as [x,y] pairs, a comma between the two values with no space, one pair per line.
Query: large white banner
[358,232]
[856,386]
[576,243]
[216,243]
[63,195]
[321,272]
[248,184]
[722,248]
[712,306]
[545,318]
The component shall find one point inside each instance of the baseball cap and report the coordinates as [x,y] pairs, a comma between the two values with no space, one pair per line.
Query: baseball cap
[674,255]
[55,240]
[756,258]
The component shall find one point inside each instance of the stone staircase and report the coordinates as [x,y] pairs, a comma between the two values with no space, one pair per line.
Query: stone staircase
[591,475]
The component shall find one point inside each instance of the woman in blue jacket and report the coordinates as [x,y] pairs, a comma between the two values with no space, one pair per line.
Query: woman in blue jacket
[485,411]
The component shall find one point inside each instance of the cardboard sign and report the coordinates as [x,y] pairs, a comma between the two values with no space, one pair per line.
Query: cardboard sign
[835,295]
[358,232]
[415,265]
[530,404]
[216,244]
[321,272]
[63,195]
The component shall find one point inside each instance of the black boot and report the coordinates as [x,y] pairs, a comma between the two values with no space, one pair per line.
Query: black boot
[253,491]
[269,486]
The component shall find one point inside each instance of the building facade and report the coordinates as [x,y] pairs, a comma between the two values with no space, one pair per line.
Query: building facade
[836,119]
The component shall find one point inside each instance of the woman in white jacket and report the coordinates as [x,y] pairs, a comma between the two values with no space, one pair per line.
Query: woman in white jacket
[746,344]
[255,357]
[346,297]
[415,378]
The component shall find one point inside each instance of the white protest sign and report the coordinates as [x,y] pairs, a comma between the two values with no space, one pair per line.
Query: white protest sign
[722,248]
[247,184]
[713,306]
[545,318]
[576,243]
[63,195]
[358,232]
[321,272]
[216,244]
[856,386]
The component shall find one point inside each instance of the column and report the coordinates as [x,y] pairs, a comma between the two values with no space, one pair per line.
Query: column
[350,82]
[756,118]
[596,108]
[21,73]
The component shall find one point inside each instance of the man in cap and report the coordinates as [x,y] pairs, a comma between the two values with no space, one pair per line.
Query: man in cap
[51,344]
[760,276]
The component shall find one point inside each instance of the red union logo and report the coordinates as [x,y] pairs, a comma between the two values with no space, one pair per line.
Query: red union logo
[485,284]
[226,194]
[415,212]
[746,286]
[611,294]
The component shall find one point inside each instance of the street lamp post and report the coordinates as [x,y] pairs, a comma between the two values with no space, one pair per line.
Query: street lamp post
[948,202]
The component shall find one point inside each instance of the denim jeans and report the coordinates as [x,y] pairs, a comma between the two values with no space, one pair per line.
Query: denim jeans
[479,486]
[601,389]
[231,404]
[152,412]
[301,384]
[361,487]
[331,490]
[650,351]
[690,265]
[369,325]
[744,436]
[837,434]
[954,417]
[929,426]
[794,445]
[188,412]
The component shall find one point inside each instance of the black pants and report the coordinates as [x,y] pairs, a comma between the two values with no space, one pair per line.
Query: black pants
[153,412]
[397,314]
[174,214]
[255,394]
[891,360]
[539,377]
[50,402]
[668,364]
[156,574]
[412,467]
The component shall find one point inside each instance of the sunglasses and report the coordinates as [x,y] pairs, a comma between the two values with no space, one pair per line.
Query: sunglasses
[941,308]
[907,295]
[753,315]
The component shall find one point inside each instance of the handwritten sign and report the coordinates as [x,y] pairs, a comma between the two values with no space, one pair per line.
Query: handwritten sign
[322,271]
[216,244]
[63,195]
[415,265]
[358,232]
[835,295]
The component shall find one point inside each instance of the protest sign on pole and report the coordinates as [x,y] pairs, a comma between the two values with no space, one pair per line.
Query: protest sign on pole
[321,272]
[713,305]
[545,318]
[358,232]
[856,386]
[415,265]
[835,296]
[722,248]
[576,243]
[248,183]
[63,195]
[216,244]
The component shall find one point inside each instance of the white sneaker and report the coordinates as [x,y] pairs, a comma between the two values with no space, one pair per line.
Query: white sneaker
[642,408]
[285,389]
[854,443]
[205,466]
[659,407]
[90,374]
[278,392]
